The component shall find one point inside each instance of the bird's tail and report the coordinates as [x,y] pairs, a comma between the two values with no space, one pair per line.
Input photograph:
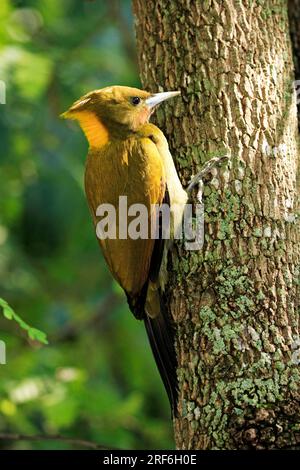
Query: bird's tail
[161,334]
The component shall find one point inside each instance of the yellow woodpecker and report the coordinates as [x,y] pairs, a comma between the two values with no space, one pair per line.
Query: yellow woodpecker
[128,156]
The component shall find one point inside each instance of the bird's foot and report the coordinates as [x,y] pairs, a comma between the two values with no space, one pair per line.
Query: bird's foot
[197,180]
[209,165]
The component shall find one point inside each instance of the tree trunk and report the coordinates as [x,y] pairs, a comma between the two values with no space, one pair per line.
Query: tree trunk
[235,302]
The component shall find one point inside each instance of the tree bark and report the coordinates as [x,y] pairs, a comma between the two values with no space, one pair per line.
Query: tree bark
[235,302]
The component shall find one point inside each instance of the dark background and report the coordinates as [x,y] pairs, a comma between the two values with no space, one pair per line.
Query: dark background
[96,379]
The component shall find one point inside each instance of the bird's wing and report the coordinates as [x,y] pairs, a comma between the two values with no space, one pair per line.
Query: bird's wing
[136,170]
[133,169]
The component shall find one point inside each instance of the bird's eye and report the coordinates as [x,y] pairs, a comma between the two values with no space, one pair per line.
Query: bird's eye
[135,100]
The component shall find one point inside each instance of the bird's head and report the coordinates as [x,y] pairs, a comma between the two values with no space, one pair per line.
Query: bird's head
[114,111]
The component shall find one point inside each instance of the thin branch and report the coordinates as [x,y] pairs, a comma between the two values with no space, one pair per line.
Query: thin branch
[54,437]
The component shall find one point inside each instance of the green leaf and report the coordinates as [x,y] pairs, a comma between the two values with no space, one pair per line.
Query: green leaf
[33,333]
[37,335]
[7,311]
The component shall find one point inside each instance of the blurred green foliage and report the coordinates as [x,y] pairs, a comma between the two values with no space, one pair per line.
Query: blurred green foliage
[96,379]
[33,333]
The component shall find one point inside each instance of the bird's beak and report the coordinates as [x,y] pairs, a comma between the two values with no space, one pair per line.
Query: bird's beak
[158,98]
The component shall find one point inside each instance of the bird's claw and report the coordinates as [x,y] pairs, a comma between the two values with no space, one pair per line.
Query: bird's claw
[209,165]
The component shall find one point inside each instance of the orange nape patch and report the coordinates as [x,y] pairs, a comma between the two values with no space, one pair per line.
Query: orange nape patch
[95,132]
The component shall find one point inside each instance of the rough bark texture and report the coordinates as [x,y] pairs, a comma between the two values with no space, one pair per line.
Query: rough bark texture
[235,301]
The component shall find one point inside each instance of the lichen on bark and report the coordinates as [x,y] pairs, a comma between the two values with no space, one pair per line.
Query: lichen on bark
[236,302]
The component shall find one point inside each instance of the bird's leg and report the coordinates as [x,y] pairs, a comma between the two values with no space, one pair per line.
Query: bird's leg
[197,180]
[195,231]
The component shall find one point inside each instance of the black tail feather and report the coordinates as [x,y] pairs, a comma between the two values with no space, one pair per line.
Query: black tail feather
[161,336]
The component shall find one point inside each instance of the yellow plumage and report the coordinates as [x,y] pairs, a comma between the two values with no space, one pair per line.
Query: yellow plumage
[131,168]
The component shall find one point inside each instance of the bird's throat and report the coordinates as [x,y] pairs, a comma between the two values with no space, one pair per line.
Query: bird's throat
[95,132]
